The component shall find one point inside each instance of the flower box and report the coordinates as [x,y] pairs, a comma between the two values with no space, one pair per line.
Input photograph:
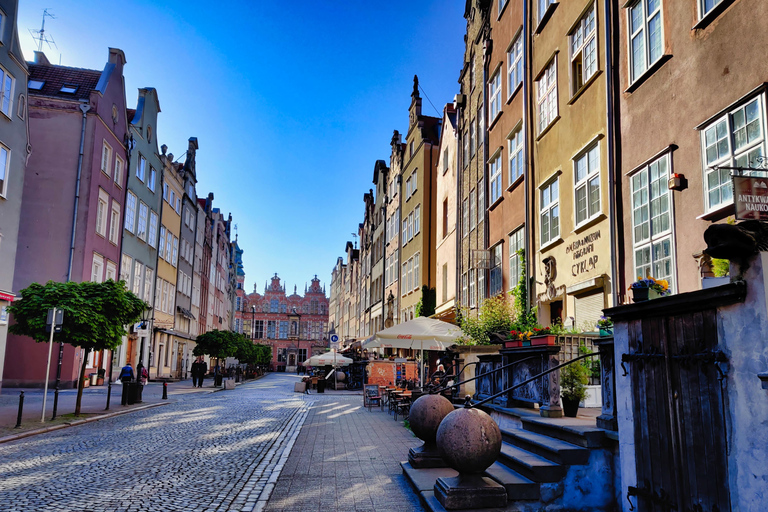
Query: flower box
[513,344]
[606,331]
[547,339]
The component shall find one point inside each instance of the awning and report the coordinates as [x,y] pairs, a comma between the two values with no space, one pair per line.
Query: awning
[7,296]
[185,312]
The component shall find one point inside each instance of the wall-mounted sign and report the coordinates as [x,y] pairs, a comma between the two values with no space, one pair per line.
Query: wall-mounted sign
[584,255]
[3,315]
[750,197]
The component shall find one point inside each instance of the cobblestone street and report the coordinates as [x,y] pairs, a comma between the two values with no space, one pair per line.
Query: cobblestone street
[226,451]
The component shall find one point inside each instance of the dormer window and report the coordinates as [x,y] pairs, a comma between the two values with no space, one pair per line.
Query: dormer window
[35,85]
[68,89]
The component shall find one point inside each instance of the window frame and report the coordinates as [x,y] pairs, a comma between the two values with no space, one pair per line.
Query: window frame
[547,209]
[141,169]
[547,97]
[496,277]
[516,242]
[648,61]
[5,171]
[114,223]
[495,86]
[118,173]
[584,183]
[516,153]
[515,65]
[106,158]
[494,178]
[580,77]
[7,110]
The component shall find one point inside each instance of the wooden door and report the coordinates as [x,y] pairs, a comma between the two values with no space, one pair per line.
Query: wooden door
[680,428]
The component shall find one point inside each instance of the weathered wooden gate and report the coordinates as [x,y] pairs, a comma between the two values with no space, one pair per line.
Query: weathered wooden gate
[675,370]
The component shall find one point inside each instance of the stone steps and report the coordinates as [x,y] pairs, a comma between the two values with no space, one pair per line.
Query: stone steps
[518,487]
[548,447]
[531,465]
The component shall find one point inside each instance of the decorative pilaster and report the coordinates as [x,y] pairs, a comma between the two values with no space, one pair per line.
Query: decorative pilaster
[607,419]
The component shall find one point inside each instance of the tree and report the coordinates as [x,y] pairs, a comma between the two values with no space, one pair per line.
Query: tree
[95,316]
[427,302]
[217,344]
[495,315]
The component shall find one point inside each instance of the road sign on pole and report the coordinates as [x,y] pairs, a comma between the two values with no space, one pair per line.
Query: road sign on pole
[52,325]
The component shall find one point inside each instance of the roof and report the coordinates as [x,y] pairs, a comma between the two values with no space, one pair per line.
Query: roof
[131,112]
[54,77]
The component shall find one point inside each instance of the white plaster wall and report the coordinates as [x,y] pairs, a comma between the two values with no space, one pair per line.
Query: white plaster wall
[743,332]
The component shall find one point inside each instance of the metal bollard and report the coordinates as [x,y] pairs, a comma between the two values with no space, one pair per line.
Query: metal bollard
[165,390]
[21,408]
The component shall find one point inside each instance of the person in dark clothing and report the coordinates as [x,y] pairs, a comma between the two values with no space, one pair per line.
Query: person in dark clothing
[126,373]
[203,371]
[195,369]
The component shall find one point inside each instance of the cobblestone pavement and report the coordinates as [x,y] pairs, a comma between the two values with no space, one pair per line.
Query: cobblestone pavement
[212,452]
[346,459]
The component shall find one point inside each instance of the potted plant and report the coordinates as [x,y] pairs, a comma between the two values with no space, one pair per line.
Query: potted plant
[648,288]
[518,339]
[100,377]
[573,387]
[543,336]
[605,326]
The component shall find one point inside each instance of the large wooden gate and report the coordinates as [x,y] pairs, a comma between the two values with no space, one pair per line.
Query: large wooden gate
[677,383]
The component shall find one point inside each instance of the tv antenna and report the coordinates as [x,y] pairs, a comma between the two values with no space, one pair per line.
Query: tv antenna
[39,35]
[354,236]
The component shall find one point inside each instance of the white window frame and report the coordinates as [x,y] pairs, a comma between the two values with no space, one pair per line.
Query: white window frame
[97,268]
[515,146]
[657,231]
[152,233]
[549,210]
[152,178]
[114,223]
[516,242]
[703,11]
[494,172]
[515,65]
[5,169]
[130,211]
[501,5]
[138,278]
[119,165]
[590,181]
[7,90]
[472,209]
[417,220]
[546,96]
[416,271]
[102,213]
[643,31]
[465,218]
[725,147]
[149,276]
[496,280]
[141,229]
[141,169]
[494,96]
[126,267]
[106,158]
[583,43]
[111,271]
[161,244]
[472,289]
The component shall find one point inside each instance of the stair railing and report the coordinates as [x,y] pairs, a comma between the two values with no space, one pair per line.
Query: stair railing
[457,384]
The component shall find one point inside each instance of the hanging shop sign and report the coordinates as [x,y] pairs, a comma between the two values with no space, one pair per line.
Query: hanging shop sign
[751,197]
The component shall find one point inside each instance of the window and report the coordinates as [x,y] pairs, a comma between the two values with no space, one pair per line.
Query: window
[111,271]
[404,279]
[652,222]
[271,324]
[515,64]
[645,37]
[480,126]
[546,94]
[114,223]
[550,213]
[464,289]
[445,161]
[501,4]
[106,158]
[119,164]
[416,283]
[414,181]
[480,286]
[480,200]
[152,178]
[178,205]
[587,178]
[515,155]
[165,191]
[149,275]
[7,82]
[138,278]
[465,217]
[161,246]
[543,5]
[472,288]
[68,88]
[130,212]
[35,85]
[516,244]
[706,6]
[101,213]
[5,154]
[152,229]
[172,197]
[495,179]
[175,260]
[259,329]
[410,226]
[169,247]
[445,218]
[472,208]
[583,50]
[494,95]
[417,220]
[141,231]
[735,140]
[409,281]
[472,140]
[274,306]
[97,269]
[496,277]
[141,169]
[466,148]
[125,270]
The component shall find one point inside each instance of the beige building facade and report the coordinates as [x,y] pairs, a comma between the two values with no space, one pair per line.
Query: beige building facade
[445,247]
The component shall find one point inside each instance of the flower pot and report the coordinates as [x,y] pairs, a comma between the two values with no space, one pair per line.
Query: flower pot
[513,344]
[606,331]
[570,407]
[639,294]
[546,339]
[100,381]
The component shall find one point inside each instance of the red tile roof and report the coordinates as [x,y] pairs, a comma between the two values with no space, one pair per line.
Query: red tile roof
[54,77]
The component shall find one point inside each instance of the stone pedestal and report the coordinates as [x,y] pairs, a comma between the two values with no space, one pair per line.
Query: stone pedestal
[607,419]
[426,456]
[470,491]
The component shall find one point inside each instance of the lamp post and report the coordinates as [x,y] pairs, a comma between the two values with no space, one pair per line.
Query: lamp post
[146,316]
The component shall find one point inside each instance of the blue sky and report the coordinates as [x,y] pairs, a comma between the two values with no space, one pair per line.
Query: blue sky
[292,102]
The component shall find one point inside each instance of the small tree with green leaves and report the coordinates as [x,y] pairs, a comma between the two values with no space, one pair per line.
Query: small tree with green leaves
[95,316]
[495,315]
[526,314]
[427,303]
[217,344]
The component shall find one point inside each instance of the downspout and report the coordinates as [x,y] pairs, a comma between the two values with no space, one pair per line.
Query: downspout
[529,269]
[486,227]
[84,108]
[613,196]
[432,244]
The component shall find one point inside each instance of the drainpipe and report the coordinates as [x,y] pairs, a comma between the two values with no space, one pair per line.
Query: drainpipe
[613,195]
[528,115]
[486,227]
[84,108]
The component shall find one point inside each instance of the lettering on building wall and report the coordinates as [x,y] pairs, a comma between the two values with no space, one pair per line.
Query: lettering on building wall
[584,259]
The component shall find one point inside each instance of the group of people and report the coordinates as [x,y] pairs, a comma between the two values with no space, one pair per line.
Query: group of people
[199,369]
[126,374]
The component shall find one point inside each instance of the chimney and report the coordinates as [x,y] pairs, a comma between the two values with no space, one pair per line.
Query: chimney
[41,59]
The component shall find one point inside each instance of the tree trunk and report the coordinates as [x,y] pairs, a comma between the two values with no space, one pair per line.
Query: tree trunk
[80,383]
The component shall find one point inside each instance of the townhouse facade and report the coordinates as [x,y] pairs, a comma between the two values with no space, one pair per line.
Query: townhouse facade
[394,207]
[73,113]
[15,149]
[445,248]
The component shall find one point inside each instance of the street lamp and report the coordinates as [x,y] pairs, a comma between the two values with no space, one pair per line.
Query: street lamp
[253,323]
[146,317]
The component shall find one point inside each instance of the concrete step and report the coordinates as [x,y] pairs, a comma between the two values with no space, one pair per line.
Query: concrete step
[518,487]
[587,436]
[551,448]
[532,466]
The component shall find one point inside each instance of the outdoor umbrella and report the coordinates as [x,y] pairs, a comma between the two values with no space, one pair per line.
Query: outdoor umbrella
[329,358]
[422,333]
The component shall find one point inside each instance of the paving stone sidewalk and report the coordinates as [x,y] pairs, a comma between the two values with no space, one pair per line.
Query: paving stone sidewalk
[346,459]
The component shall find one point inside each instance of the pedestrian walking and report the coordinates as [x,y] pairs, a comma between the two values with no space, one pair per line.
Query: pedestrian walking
[126,373]
[202,372]
[195,372]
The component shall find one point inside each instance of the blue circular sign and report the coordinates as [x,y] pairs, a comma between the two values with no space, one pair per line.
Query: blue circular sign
[334,338]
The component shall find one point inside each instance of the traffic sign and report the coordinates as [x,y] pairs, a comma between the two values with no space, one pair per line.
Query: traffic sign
[334,338]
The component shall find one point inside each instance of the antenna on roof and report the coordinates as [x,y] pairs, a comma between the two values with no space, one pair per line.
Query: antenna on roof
[354,235]
[39,35]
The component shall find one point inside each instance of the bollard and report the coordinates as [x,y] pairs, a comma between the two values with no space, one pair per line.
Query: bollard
[165,390]
[21,408]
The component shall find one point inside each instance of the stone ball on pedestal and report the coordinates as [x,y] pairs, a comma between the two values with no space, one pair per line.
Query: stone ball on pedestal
[340,376]
[426,414]
[469,440]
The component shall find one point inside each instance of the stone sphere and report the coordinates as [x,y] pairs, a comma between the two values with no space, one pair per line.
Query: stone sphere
[426,414]
[340,376]
[469,440]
